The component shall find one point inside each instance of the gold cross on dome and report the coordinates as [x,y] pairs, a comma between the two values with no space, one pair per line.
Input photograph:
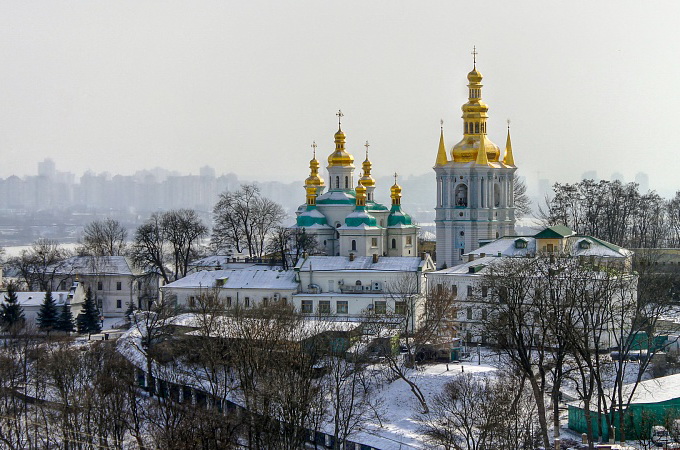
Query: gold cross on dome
[395,177]
[340,116]
[441,124]
[508,124]
[474,55]
[367,145]
[314,147]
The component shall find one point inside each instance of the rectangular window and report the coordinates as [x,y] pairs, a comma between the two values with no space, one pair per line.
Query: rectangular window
[284,301]
[324,307]
[484,314]
[485,291]
[469,291]
[550,248]
[228,302]
[341,307]
[454,289]
[246,302]
[374,242]
[119,286]
[307,306]
[400,308]
[265,301]
[100,285]
[469,313]
[409,240]
[381,307]
[119,304]
[192,301]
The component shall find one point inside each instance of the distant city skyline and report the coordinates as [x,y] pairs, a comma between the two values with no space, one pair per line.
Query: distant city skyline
[246,87]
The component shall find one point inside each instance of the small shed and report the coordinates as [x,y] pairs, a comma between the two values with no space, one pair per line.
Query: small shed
[654,401]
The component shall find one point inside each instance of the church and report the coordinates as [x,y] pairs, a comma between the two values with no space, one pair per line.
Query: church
[475,187]
[346,220]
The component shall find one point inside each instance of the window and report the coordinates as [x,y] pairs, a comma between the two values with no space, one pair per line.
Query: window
[469,313]
[400,308]
[520,243]
[584,244]
[337,182]
[485,291]
[119,304]
[454,289]
[324,307]
[346,182]
[228,302]
[358,283]
[100,285]
[119,286]
[469,291]
[265,301]
[354,245]
[341,307]
[374,242]
[484,314]
[284,301]
[394,243]
[550,248]
[192,301]
[381,307]
[246,302]
[409,240]
[307,306]
[461,195]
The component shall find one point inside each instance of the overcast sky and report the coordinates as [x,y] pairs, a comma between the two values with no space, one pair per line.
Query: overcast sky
[246,86]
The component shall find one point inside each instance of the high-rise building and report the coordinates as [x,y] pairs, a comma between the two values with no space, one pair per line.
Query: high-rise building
[475,187]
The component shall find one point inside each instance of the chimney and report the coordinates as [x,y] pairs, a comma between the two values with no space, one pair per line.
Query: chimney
[375,258]
[351,256]
[471,257]
[482,255]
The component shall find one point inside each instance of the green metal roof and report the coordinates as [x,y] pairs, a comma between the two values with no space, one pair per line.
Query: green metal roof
[555,232]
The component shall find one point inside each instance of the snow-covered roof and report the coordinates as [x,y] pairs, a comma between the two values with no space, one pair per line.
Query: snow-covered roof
[97,265]
[479,265]
[254,277]
[343,263]
[223,261]
[656,390]
[37,298]
[505,246]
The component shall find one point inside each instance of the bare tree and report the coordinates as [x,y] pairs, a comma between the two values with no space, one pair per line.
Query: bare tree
[244,220]
[104,238]
[290,244]
[40,265]
[521,199]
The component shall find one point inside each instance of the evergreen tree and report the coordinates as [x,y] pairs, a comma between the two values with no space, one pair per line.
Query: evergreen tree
[88,320]
[47,315]
[65,319]
[12,314]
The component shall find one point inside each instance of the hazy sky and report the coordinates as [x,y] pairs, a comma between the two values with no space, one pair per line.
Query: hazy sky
[246,86]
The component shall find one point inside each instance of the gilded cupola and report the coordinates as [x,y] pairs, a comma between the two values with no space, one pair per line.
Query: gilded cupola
[474,124]
[340,157]
[395,192]
[367,180]
[314,179]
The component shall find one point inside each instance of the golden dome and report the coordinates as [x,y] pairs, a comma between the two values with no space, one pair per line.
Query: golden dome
[340,157]
[367,180]
[395,190]
[466,150]
[314,179]
[475,76]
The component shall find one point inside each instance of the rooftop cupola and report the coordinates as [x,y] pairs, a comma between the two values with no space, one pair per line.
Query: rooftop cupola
[508,159]
[474,122]
[397,217]
[314,179]
[340,157]
[441,151]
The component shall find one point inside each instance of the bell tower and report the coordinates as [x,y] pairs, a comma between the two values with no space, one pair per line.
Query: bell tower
[475,187]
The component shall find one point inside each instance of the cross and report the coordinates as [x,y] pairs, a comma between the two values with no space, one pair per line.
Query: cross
[441,124]
[395,177]
[508,124]
[474,55]
[314,147]
[340,116]
[367,145]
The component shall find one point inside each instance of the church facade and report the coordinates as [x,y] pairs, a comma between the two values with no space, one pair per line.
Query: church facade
[475,186]
[346,220]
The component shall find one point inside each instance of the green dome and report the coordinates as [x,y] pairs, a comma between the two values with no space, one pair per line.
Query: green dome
[398,217]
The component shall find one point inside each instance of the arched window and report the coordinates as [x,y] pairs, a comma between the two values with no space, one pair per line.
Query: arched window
[337,182]
[496,195]
[394,243]
[482,189]
[346,182]
[358,283]
[477,128]
[461,195]
[354,245]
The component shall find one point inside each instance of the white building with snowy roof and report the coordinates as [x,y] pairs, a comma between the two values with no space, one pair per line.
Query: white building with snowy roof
[115,281]
[244,287]
[32,301]
[474,297]
[356,286]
